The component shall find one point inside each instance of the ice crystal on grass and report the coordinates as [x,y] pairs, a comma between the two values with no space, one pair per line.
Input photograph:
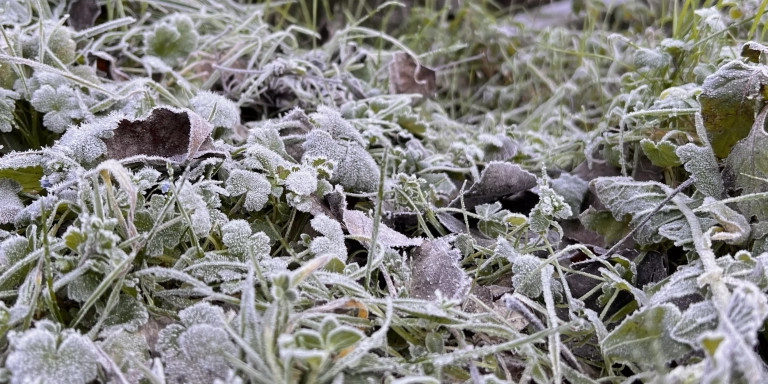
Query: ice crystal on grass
[172,39]
[9,200]
[254,186]
[217,109]
[48,355]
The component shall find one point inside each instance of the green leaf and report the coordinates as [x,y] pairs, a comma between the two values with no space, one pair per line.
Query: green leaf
[9,200]
[172,39]
[644,337]
[729,100]
[746,169]
[700,162]
[661,154]
[342,337]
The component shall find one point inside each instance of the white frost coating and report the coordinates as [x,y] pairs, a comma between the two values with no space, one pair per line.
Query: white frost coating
[302,182]
[235,236]
[61,106]
[173,38]
[7,106]
[217,109]
[356,169]
[10,203]
[331,121]
[40,355]
[254,185]
[332,241]
[190,198]
[83,143]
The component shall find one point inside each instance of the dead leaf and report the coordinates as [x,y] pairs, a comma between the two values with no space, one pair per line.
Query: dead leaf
[497,180]
[173,134]
[435,266]
[359,224]
[406,75]
[83,14]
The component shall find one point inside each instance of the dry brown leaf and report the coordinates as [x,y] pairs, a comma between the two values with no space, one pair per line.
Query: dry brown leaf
[406,75]
[83,14]
[497,180]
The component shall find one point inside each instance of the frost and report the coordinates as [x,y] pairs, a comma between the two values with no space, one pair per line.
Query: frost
[9,200]
[573,189]
[191,199]
[661,154]
[746,169]
[496,181]
[734,227]
[195,351]
[651,59]
[712,18]
[700,162]
[127,350]
[172,39]
[332,122]
[235,236]
[129,314]
[254,185]
[217,109]
[550,206]
[359,224]
[45,354]
[624,196]
[728,103]
[84,143]
[698,318]
[646,330]
[7,107]
[355,168]
[14,12]
[332,241]
[526,269]
[407,75]
[435,268]
[303,181]
[62,107]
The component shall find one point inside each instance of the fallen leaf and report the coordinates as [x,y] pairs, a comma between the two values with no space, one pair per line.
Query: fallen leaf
[435,267]
[359,224]
[406,75]
[173,134]
[496,181]
[83,14]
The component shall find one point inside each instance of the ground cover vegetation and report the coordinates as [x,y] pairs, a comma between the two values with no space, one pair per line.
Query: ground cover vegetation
[322,191]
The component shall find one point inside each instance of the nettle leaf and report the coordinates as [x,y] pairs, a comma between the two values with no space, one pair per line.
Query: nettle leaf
[46,354]
[9,200]
[647,332]
[496,181]
[729,99]
[435,267]
[62,106]
[624,196]
[332,241]
[7,106]
[359,224]
[354,169]
[746,169]
[254,185]
[217,109]
[172,39]
[700,162]
[662,153]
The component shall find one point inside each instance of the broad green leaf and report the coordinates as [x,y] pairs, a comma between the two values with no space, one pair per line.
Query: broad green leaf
[746,169]
[661,154]
[729,100]
[644,337]
[700,162]
[342,337]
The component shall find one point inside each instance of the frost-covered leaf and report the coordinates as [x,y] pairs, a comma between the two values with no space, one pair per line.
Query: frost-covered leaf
[9,200]
[435,267]
[236,235]
[624,196]
[746,169]
[15,12]
[662,153]
[7,106]
[83,14]
[573,189]
[85,143]
[332,241]
[752,50]
[173,134]
[728,103]
[331,121]
[217,109]
[45,354]
[644,338]
[129,314]
[62,107]
[254,185]
[302,181]
[496,181]
[354,168]
[735,228]
[359,224]
[551,206]
[526,271]
[698,318]
[172,38]
[700,162]
[128,351]
[494,221]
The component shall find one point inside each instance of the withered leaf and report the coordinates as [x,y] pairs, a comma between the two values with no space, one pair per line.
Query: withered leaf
[406,75]
[496,181]
[359,224]
[436,267]
[83,14]
[173,134]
